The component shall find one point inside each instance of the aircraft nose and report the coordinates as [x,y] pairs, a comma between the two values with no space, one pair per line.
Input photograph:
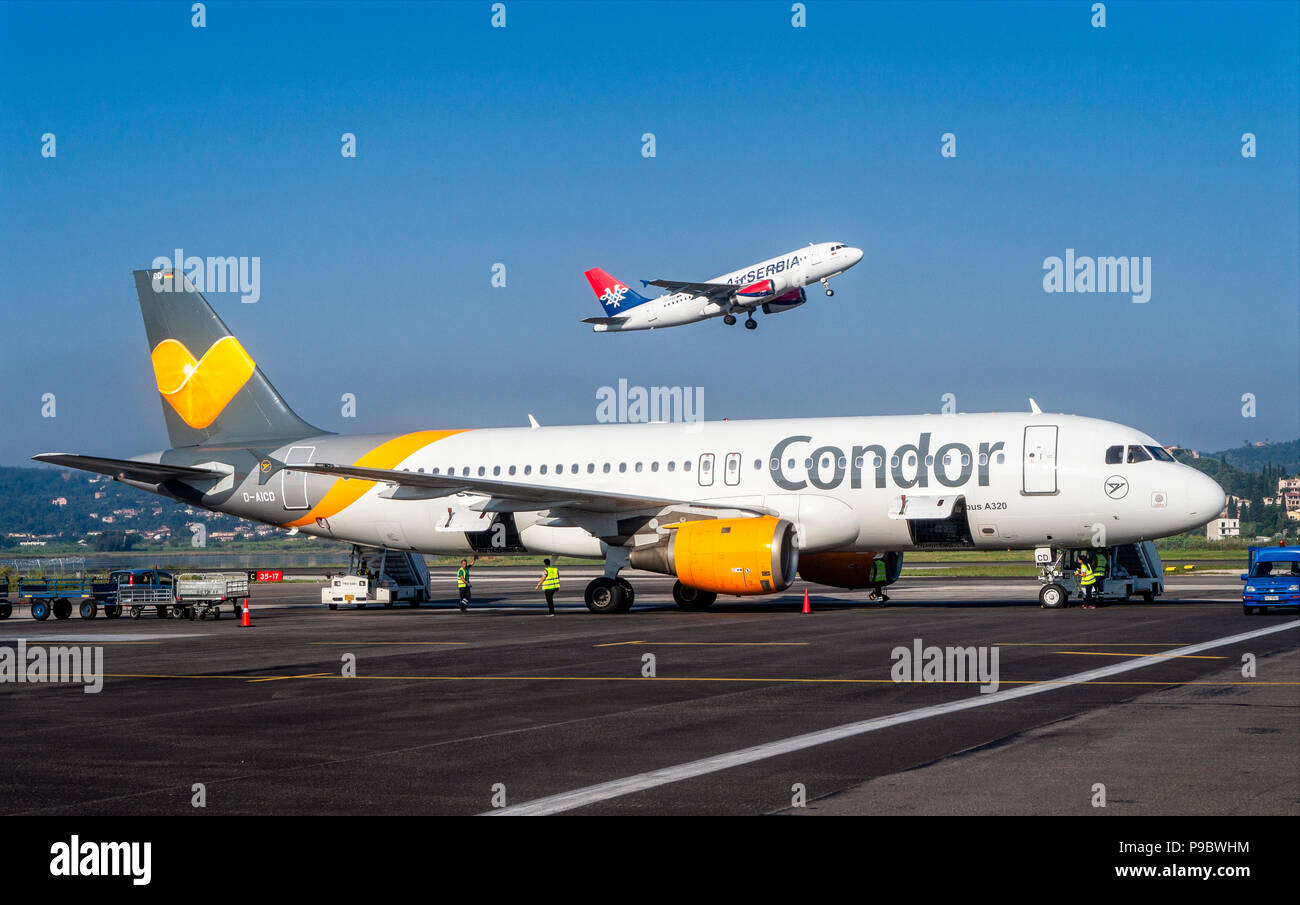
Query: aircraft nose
[855,255]
[1203,496]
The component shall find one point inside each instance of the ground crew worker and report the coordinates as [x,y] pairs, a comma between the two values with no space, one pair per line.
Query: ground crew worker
[462,583]
[550,583]
[1088,581]
[879,578]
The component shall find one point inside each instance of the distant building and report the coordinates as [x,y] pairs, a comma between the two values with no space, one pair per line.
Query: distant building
[59,501]
[1220,528]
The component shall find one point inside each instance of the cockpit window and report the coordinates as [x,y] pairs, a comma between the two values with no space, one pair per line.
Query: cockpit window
[1138,454]
[1160,454]
[836,247]
[1114,455]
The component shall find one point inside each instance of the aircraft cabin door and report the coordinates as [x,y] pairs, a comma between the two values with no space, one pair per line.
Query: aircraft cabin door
[705,471]
[732,474]
[1039,464]
[293,486]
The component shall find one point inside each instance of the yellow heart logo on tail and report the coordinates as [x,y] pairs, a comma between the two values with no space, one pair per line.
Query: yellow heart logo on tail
[200,390]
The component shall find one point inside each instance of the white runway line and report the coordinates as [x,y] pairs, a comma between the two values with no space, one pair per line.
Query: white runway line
[567,801]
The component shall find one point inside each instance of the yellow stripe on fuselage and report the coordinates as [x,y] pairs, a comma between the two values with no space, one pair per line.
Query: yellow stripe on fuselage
[343,493]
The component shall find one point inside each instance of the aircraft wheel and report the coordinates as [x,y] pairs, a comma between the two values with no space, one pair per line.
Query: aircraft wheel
[89,609]
[691,599]
[40,610]
[629,592]
[751,324]
[604,595]
[1053,597]
[729,320]
[829,291]
[62,608]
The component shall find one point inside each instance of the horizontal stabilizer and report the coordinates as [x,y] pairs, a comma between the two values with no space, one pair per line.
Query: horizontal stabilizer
[604,320]
[131,470]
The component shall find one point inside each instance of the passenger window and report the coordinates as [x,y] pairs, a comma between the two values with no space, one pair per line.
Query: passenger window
[591,468]
[672,464]
[605,468]
[496,471]
[1138,454]
[1114,455]
[543,469]
[686,466]
[528,469]
[622,467]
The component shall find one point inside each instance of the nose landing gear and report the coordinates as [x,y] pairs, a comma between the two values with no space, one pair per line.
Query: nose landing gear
[829,290]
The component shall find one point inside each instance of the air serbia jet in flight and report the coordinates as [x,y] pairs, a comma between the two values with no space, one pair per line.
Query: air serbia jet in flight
[774,285]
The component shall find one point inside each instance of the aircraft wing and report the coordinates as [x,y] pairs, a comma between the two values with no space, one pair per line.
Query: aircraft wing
[511,496]
[712,290]
[145,472]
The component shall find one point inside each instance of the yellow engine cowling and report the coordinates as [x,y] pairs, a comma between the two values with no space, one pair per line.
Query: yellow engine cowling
[740,556]
[839,570]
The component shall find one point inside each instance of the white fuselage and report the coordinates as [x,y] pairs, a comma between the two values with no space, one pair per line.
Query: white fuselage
[791,271]
[853,484]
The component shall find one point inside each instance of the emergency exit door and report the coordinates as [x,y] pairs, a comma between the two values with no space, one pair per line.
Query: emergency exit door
[1040,459]
[293,484]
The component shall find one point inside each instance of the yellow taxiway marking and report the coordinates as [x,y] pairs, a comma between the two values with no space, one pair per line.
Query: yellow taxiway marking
[711,643]
[775,680]
[363,643]
[1089,644]
[1116,653]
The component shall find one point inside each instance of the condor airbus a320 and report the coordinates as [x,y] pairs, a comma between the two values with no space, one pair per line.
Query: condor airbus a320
[775,285]
[732,508]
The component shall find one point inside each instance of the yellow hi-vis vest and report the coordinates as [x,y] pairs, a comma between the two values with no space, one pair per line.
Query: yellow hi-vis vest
[1087,575]
[552,580]
[878,571]
[462,578]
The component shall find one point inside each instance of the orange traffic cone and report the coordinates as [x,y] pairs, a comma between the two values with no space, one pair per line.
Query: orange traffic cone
[245,621]
[807,604]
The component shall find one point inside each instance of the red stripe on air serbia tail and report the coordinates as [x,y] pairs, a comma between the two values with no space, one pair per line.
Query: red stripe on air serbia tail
[614,296]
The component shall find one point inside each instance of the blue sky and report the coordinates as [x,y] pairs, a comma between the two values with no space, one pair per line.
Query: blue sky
[522,146]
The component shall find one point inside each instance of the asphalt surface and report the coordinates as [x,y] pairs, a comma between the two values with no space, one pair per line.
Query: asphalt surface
[452,713]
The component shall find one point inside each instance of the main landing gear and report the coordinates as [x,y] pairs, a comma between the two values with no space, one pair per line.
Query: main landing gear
[751,324]
[693,600]
[730,321]
[609,595]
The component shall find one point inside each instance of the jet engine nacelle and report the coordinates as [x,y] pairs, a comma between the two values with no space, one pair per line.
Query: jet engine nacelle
[740,556]
[767,289]
[848,570]
[792,299]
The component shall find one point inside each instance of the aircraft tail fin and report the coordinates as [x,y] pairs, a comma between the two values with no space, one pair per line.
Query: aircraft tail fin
[615,296]
[212,390]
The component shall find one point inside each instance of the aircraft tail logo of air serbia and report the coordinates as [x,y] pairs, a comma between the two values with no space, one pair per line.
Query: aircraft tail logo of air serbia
[616,297]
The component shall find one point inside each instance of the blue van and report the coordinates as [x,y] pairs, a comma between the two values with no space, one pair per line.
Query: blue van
[1272,579]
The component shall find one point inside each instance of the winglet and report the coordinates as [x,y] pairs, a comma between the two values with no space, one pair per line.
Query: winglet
[532,422]
[1033,406]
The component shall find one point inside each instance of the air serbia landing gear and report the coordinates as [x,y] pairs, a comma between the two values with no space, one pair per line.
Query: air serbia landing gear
[829,290]
[751,324]
[729,320]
